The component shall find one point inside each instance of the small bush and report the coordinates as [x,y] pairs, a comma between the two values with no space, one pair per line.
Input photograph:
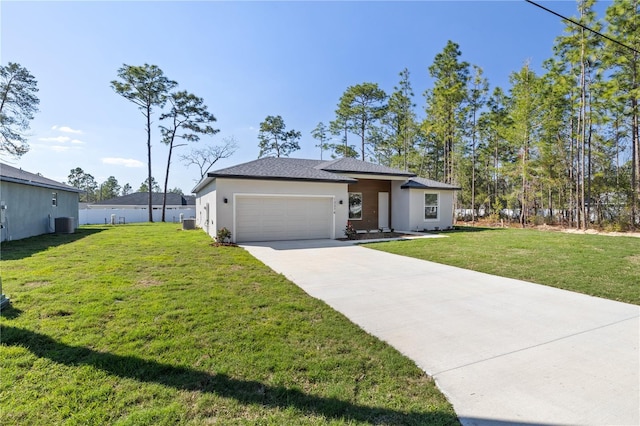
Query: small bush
[223,236]
[350,231]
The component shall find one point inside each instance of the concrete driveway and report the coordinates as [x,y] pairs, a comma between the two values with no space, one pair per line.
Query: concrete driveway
[503,351]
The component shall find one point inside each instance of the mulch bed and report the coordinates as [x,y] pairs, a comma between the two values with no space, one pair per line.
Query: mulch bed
[374,236]
[216,244]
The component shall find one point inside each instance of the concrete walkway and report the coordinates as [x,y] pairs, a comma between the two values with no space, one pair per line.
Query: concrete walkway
[503,351]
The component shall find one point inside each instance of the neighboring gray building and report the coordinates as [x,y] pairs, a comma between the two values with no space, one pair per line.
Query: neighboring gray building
[30,203]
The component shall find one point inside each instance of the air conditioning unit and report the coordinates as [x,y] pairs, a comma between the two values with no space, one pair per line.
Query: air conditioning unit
[188,224]
[65,225]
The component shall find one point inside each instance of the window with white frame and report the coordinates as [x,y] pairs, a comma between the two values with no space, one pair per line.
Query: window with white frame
[430,206]
[355,205]
[54,198]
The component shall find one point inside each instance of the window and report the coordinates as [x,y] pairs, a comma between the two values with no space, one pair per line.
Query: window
[54,198]
[355,205]
[430,206]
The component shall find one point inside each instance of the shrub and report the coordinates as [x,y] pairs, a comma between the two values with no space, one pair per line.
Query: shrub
[350,231]
[223,235]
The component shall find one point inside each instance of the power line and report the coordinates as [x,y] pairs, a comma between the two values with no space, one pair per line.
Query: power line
[583,26]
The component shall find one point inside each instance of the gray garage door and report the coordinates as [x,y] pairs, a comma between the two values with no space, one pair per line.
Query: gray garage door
[266,218]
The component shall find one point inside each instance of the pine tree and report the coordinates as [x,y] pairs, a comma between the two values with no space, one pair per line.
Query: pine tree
[445,106]
[623,17]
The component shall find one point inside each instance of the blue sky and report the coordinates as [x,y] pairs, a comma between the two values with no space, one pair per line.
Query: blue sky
[247,60]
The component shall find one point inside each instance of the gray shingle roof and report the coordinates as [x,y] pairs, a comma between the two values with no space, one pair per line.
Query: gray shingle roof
[418,182]
[271,168]
[281,169]
[142,199]
[351,165]
[12,174]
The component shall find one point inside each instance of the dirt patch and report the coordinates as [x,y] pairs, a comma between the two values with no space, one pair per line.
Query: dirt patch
[596,232]
[36,284]
[555,228]
[635,259]
[55,313]
[148,282]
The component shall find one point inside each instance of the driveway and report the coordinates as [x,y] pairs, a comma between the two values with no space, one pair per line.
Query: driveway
[503,351]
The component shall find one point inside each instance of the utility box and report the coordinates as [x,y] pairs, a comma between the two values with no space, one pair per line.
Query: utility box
[188,224]
[65,225]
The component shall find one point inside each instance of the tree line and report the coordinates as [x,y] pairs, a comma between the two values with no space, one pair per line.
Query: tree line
[559,147]
[92,191]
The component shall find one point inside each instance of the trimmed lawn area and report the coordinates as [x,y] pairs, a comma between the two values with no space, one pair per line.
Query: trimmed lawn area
[597,265]
[149,324]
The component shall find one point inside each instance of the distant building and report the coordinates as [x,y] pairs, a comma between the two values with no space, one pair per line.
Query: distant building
[133,208]
[30,203]
[140,200]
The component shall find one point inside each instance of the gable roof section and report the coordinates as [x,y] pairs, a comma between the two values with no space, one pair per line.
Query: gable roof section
[142,199]
[424,183]
[352,165]
[12,174]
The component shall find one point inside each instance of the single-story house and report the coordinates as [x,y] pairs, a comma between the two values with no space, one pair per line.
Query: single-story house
[140,200]
[289,198]
[30,203]
[133,208]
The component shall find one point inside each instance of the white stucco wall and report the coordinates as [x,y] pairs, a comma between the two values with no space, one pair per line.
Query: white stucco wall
[416,212]
[29,210]
[400,208]
[207,196]
[222,213]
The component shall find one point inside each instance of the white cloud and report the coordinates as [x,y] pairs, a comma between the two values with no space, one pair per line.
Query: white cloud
[77,141]
[66,129]
[126,162]
[58,148]
[59,139]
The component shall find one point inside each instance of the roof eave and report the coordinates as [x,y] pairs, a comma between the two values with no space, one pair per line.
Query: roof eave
[40,184]
[420,186]
[203,182]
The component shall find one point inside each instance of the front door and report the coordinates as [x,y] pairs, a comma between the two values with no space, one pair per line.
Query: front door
[383,210]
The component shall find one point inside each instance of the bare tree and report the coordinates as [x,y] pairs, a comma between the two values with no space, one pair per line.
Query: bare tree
[207,156]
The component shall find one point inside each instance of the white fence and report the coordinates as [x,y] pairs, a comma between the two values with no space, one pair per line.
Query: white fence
[103,216]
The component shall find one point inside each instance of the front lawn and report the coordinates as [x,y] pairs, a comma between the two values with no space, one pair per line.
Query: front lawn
[597,265]
[149,324]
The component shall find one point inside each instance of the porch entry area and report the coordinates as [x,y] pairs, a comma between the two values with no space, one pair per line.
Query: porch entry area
[370,204]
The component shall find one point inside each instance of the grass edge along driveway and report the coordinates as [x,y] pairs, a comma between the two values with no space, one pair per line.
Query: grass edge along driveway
[148,324]
[597,265]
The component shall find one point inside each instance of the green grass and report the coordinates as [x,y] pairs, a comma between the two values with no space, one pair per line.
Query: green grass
[148,324]
[597,265]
